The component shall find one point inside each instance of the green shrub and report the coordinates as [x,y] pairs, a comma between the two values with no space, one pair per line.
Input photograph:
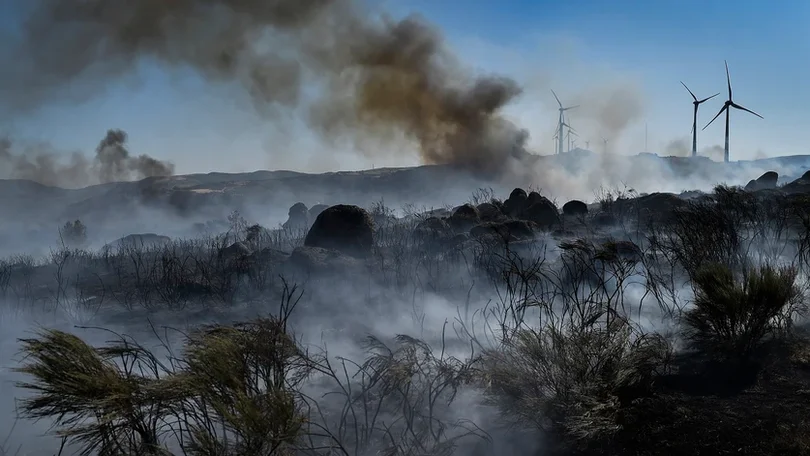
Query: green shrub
[234,392]
[732,315]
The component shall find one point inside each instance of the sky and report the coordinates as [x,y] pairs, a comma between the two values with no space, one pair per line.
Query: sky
[586,51]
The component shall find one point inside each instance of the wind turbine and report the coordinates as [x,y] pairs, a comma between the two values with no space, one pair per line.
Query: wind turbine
[569,139]
[605,141]
[729,104]
[561,122]
[588,144]
[697,103]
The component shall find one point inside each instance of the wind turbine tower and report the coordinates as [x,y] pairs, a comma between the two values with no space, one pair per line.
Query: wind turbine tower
[571,132]
[697,104]
[727,108]
[561,123]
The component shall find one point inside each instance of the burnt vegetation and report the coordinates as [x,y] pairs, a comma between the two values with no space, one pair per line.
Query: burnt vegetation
[641,324]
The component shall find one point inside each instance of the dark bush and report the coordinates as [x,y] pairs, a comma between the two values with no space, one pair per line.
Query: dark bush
[733,315]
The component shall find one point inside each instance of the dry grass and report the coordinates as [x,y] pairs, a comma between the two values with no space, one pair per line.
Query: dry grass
[572,384]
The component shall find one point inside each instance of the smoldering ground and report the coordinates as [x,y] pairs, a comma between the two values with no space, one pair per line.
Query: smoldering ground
[327,318]
[414,289]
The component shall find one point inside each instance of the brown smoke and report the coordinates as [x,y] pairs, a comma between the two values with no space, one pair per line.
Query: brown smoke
[374,76]
[112,163]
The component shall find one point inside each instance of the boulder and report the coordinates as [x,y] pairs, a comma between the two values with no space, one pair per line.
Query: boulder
[489,212]
[534,198]
[800,185]
[766,181]
[542,212]
[432,227]
[316,210]
[575,208]
[464,217]
[298,217]
[346,228]
[516,203]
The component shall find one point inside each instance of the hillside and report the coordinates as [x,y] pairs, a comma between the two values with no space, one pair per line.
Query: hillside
[199,197]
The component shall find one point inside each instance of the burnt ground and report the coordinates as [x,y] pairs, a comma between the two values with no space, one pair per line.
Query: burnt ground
[757,410]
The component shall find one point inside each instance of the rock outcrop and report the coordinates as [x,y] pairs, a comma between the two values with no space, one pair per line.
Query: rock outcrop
[575,208]
[346,228]
[516,203]
[464,217]
[767,181]
[298,217]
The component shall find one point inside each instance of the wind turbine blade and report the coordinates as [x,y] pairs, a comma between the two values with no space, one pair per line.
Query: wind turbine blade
[708,98]
[570,107]
[690,92]
[718,115]
[556,98]
[746,109]
[728,78]
[692,130]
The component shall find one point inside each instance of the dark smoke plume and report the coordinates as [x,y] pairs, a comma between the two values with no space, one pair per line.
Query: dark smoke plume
[112,163]
[374,76]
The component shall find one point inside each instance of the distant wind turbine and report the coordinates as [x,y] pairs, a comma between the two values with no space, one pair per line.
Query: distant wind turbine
[568,137]
[605,141]
[729,104]
[697,104]
[587,144]
[561,123]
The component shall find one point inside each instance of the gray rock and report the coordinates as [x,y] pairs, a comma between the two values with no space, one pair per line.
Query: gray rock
[575,207]
[345,228]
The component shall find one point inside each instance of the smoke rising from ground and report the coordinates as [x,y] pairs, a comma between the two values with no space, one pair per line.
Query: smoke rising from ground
[682,147]
[111,163]
[375,76]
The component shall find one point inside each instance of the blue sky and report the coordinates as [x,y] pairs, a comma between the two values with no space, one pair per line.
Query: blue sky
[581,49]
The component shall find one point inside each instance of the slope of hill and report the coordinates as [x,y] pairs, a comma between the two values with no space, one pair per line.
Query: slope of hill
[201,196]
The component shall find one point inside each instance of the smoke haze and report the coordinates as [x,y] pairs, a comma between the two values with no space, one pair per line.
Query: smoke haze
[111,163]
[374,75]
[358,79]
